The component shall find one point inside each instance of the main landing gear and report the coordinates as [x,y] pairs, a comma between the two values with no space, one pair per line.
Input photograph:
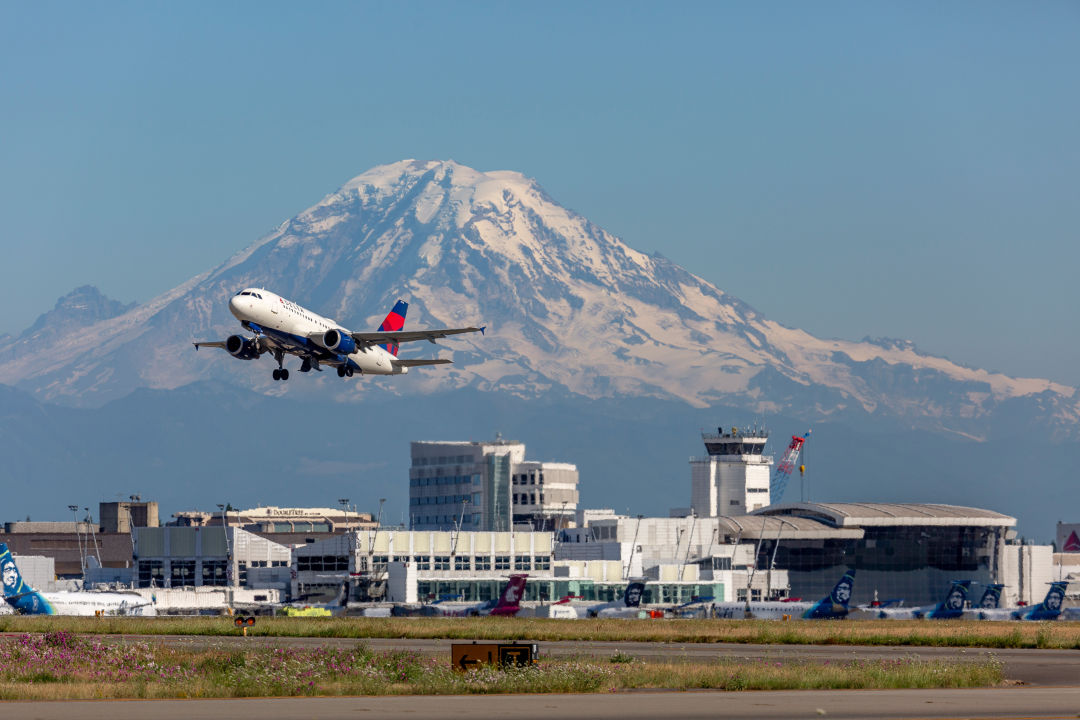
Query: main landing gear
[280,373]
[343,371]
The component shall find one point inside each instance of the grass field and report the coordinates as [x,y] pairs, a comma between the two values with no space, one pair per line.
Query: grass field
[60,665]
[940,633]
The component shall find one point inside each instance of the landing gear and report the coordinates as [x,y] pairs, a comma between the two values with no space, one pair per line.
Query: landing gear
[305,366]
[343,371]
[281,373]
[340,371]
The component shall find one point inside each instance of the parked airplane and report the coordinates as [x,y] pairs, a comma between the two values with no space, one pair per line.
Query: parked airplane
[991,599]
[832,606]
[282,327]
[950,608]
[1049,609]
[28,601]
[509,602]
[629,606]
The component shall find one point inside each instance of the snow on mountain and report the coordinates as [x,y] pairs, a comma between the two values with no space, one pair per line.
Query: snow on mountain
[570,308]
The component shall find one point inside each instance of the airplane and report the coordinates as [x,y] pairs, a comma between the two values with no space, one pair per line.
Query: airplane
[281,327]
[832,606]
[329,609]
[950,608]
[508,603]
[27,601]
[991,599]
[1049,609]
[629,606]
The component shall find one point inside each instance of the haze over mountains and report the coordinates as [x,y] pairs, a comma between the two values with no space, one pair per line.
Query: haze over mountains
[579,324]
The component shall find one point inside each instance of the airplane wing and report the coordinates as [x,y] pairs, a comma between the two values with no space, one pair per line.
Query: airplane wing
[400,336]
[210,343]
[421,363]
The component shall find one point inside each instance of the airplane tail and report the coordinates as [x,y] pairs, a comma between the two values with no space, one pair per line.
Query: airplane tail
[841,592]
[1050,607]
[510,600]
[953,604]
[393,322]
[25,599]
[991,599]
[633,594]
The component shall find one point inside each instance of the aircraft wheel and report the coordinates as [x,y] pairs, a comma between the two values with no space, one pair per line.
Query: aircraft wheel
[277,374]
[340,371]
[284,374]
[349,371]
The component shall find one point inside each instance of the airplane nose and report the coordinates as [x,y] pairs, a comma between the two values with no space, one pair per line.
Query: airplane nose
[234,305]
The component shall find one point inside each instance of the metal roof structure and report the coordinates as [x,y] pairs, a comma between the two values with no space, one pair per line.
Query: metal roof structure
[793,527]
[853,515]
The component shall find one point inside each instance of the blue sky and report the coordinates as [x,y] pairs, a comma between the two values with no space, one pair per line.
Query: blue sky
[898,169]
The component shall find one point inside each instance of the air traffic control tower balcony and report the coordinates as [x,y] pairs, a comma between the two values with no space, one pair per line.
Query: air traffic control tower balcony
[737,445]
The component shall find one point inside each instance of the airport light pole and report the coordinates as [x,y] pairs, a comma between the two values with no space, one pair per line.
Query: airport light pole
[344,503]
[228,552]
[78,536]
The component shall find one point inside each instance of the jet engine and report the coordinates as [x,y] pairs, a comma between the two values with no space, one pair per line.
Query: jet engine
[241,347]
[338,342]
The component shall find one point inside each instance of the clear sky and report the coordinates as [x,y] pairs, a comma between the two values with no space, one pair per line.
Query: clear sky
[902,169]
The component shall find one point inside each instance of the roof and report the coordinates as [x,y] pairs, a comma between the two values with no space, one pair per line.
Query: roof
[890,514]
[770,527]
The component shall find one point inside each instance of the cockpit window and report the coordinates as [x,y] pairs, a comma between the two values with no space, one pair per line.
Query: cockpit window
[257,295]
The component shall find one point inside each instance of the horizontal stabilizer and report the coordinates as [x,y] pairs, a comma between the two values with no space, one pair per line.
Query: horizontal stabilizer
[421,363]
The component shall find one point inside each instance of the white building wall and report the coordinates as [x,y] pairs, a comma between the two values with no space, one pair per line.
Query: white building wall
[1027,571]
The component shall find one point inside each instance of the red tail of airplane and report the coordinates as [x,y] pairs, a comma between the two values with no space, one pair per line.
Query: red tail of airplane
[510,600]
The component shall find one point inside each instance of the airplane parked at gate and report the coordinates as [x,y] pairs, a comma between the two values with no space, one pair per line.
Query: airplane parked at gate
[281,328]
[629,606]
[832,606]
[950,608]
[509,602]
[28,601]
[1049,609]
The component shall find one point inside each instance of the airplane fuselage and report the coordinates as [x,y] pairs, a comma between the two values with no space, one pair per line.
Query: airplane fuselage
[289,327]
[94,603]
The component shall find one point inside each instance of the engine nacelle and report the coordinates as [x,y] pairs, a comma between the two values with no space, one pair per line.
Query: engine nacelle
[338,342]
[241,347]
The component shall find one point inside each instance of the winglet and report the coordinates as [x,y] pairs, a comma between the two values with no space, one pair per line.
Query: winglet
[482,329]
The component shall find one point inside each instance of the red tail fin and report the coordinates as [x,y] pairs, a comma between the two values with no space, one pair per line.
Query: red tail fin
[510,600]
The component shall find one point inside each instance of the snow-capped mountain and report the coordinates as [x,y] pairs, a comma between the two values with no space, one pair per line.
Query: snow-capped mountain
[570,309]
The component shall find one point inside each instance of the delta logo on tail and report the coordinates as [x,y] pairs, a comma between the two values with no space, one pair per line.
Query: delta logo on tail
[1072,543]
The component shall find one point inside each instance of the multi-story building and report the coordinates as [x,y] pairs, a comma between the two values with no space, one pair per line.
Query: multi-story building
[487,486]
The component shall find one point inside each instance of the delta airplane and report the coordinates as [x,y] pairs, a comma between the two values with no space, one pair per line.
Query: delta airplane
[950,608]
[281,327]
[831,607]
[1049,609]
[509,603]
[28,601]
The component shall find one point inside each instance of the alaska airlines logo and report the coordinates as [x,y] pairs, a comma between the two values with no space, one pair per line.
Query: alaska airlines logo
[990,600]
[1054,600]
[10,574]
[842,593]
[955,601]
[633,595]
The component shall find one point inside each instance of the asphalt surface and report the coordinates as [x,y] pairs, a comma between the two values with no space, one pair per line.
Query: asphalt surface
[846,704]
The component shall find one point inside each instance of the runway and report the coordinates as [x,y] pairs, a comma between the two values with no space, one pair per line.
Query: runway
[844,704]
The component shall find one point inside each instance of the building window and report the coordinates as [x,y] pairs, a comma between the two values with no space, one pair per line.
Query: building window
[522,562]
[461,562]
[423,562]
[483,562]
[214,572]
[183,573]
[151,573]
[442,562]
[721,563]
[542,562]
[502,562]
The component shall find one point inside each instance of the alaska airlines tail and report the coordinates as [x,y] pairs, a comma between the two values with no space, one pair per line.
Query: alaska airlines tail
[393,322]
[1050,607]
[633,594]
[991,599]
[25,599]
[510,600]
[835,605]
[953,605]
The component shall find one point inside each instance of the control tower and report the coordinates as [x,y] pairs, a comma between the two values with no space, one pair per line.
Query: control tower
[734,478]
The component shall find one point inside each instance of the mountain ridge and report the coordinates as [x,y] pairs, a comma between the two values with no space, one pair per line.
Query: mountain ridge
[569,307]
